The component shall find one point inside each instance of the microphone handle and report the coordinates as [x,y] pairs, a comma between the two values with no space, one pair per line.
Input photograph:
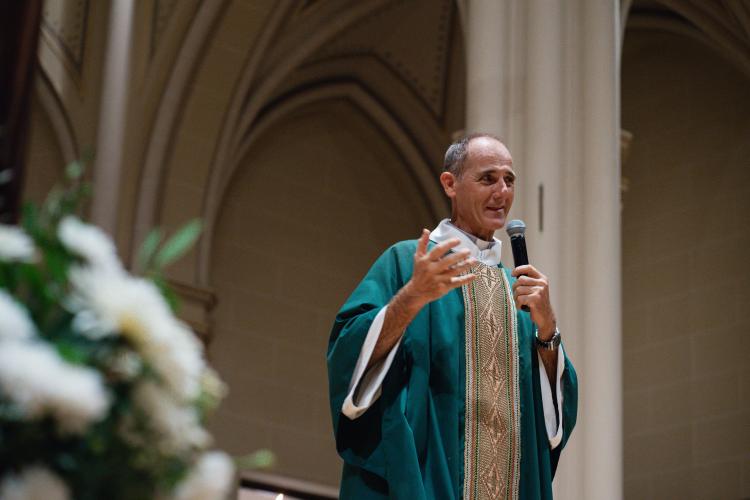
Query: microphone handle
[520,257]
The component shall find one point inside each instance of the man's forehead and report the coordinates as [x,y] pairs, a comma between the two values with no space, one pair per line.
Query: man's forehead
[487,152]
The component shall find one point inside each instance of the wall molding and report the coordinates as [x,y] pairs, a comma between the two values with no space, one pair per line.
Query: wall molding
[726,30]
[196,305]
[168,112]
[58,117]
[381,118]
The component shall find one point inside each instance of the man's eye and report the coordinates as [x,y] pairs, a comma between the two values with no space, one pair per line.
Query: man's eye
[510,180]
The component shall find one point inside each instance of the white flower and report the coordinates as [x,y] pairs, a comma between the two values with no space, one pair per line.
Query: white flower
[15,245]
[89,242]
[126,365]
[212,385]
[34,483]
[15,322]
[37,380]
[210,479]
[177,426]
[110,303]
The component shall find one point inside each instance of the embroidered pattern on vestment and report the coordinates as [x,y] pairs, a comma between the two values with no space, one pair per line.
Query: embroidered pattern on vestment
[492,453]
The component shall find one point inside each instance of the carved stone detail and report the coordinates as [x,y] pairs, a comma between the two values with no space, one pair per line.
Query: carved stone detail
[422,63]
[65,22]
[723,24]
[196,305]
[162,12]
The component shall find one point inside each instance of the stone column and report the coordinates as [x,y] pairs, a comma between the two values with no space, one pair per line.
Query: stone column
[601,390]
[543,159]
[113,116]
[494,69]
[549,162]
[555,96]
[485,66]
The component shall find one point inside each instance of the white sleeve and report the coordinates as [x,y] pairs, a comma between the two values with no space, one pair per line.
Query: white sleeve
[551,422]
[365,386]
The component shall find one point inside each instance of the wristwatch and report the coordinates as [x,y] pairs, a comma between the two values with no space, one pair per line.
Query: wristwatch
[549,345]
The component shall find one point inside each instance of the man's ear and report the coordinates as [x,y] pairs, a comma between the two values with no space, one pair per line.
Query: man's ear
[448,181]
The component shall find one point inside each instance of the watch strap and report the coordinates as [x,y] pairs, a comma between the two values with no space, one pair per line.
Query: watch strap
[551,344]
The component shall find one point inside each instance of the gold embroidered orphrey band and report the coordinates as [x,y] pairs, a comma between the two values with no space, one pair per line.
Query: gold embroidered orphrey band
[492,453]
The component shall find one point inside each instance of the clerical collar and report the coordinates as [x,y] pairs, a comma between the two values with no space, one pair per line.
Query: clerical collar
[479,242]
[486,252]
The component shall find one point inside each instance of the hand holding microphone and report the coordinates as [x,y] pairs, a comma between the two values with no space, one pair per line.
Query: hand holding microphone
[516,230]
[531,289]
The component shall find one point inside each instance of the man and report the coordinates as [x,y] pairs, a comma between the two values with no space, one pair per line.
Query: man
[441,387]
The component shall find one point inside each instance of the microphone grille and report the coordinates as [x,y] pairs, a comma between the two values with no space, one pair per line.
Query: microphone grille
[515,227]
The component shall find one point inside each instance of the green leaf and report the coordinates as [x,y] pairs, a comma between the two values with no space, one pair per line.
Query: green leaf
[71,353]
[179,243]
[166,291]
[148,249]
[74,170]
[52,204]
[260,459]
[29,218]
[57,263]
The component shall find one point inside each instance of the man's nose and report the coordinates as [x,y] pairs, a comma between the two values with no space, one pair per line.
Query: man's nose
[501,189]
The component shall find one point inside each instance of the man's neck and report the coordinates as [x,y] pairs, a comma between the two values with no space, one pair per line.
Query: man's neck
[480,241]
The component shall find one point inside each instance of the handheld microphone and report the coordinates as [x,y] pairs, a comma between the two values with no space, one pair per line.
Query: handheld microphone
[516,230]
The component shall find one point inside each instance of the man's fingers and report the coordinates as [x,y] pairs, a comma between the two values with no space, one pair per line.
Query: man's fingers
[527,281]
[440,250]
[524,290]
[528,270]
[422,243]
[458,281]
[522,300]
[453,259]
[460,268]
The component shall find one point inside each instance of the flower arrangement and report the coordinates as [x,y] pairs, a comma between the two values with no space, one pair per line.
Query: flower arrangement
[103,391]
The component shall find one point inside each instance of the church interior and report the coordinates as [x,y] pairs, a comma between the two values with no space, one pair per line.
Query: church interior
[308,135]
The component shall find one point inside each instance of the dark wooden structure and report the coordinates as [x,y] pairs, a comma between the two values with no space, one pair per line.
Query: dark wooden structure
[19,33]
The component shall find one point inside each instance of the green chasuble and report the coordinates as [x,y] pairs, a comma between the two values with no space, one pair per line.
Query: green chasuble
[420,439]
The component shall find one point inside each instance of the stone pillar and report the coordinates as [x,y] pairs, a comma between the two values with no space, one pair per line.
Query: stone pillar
[555,98]
[484,66]
[113,116]
[601,390]
[540,183]
[494,73]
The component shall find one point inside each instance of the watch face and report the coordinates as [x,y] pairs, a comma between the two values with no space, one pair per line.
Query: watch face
[550,344]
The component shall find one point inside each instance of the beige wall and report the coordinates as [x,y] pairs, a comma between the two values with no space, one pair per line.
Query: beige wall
[315,202]
[686,279]
[44,159]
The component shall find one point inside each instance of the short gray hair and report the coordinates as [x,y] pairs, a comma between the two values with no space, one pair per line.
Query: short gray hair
[455,155]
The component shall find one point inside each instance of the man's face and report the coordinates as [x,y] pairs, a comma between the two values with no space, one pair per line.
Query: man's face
[483,194]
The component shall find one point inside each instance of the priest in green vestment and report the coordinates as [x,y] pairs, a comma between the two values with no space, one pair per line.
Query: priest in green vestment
[441,386]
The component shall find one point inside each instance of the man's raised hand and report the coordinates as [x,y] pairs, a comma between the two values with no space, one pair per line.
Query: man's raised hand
[438,271]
